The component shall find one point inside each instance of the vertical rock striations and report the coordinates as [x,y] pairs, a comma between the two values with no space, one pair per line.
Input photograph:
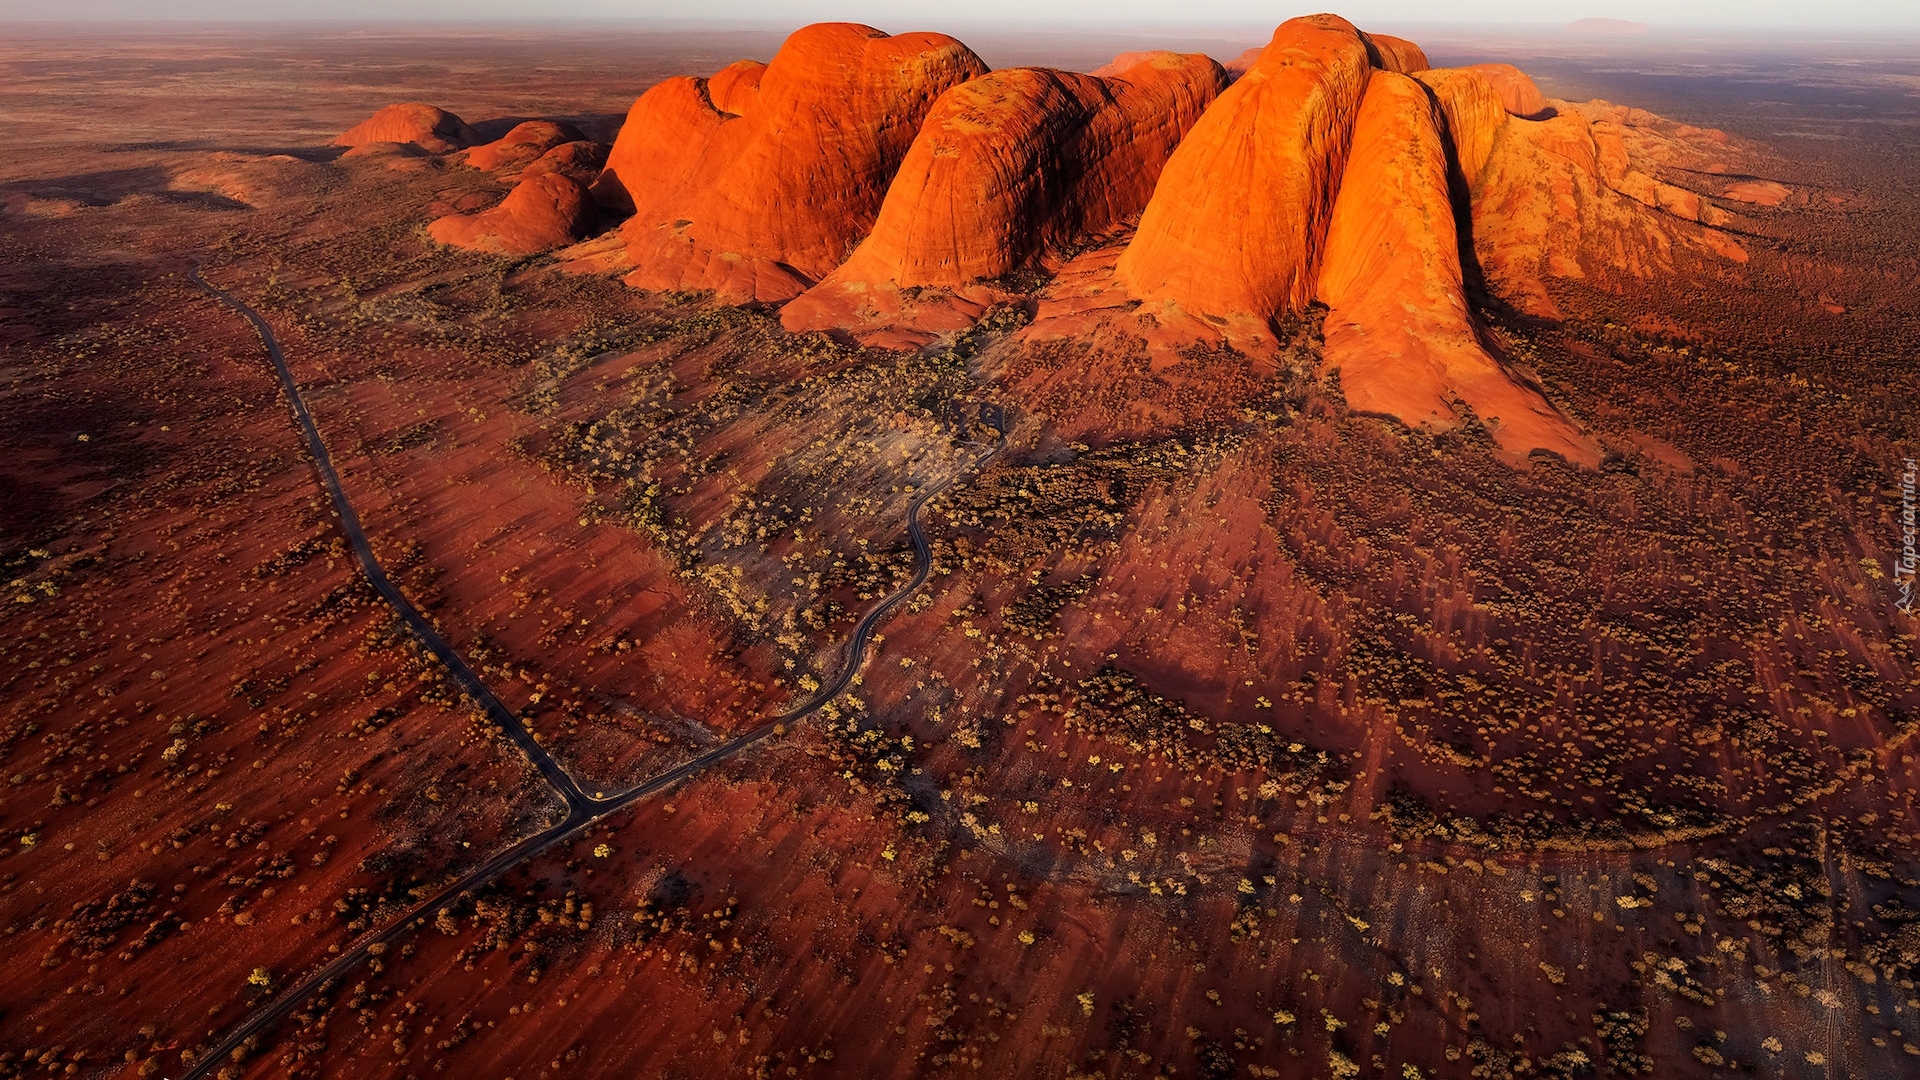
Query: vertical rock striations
[778,197]
[1233,231]
[891,187]
[1399,329]
[1474,115]
[1008,168]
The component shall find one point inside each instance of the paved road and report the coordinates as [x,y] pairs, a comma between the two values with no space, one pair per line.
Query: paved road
[503,717]
[583,810]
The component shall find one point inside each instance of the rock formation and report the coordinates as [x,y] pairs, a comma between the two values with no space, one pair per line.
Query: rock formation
[1127,60]
[257,180]
[1398,327]
[1474,115]
[890,187]
[542,212]
[777,197]
[665,133]
[1038,158]
[1395,53]
[1243,63]
[1574,197]
[1234,227]
[580,160]
[432,129]
[1518,95]
[1383,51]
[732,88]
[521,146]
[1758,192]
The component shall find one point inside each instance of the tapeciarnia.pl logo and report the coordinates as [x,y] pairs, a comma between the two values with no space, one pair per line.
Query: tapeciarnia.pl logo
[1904,562]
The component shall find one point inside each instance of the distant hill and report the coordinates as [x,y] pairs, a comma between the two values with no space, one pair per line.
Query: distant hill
[1606,26]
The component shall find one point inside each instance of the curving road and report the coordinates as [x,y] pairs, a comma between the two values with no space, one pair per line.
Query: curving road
[583,810]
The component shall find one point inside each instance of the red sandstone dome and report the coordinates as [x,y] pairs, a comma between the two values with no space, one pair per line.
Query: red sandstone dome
[1039,158]
[1398,327]
[667,131]
[664,136]
[521,146]
[1516,90]
[542,212]
[1127,60]
[580,160]
[733,88]
[891,184]
[759,206]
[413,123]
[1473,111]
[1234,226]
[1395,53]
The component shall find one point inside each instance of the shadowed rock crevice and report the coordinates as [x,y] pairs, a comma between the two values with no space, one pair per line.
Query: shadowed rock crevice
[1398,326]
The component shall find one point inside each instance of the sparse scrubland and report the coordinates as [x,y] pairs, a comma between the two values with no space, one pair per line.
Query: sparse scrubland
[1238,730]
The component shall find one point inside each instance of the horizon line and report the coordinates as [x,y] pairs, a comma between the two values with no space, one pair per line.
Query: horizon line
[1558,27]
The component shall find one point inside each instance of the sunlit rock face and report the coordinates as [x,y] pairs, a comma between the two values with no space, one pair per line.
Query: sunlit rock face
[522,146]
[891,189]
[411,123]
[760,206]
[1235,225]
[1398,326]
[543,212]
[1039,158]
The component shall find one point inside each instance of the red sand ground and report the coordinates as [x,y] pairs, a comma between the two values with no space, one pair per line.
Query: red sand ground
[1234,735]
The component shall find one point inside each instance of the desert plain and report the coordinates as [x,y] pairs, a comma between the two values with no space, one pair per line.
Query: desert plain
[1237,728]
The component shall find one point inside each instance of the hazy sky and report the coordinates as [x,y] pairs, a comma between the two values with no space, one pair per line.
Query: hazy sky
[905,14]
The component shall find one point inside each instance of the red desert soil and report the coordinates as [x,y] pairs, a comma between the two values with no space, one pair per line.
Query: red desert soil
[1236,731]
